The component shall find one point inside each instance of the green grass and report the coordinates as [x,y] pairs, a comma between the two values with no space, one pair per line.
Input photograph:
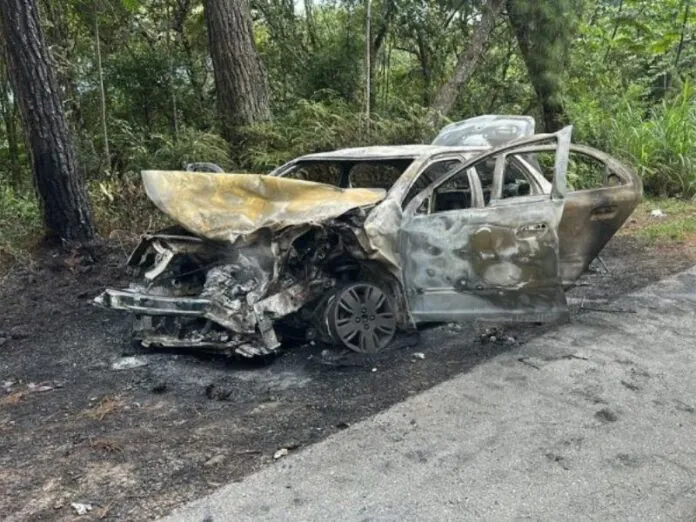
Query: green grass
[674,230]
[658,141]
[662,147]
[678,224]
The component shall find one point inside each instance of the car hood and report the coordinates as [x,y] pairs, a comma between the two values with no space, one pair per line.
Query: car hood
[224,207]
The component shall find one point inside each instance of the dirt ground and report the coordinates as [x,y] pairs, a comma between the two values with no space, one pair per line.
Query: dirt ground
[135,443]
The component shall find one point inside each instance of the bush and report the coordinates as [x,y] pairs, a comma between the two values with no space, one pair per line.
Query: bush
[120,204]
[131,151]
[313,126]
[20,221]
[191,146]
[663,146]
[658,142]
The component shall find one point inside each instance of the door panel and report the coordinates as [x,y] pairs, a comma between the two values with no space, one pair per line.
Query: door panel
[590,219]
[497,261]
[595,208]
[602,200]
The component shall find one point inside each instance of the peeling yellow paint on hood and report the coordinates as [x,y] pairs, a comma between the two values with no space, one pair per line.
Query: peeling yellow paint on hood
[226,206]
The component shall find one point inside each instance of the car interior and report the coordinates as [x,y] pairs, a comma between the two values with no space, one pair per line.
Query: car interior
[515,182]
[456,193]
[382,174]
[376,174]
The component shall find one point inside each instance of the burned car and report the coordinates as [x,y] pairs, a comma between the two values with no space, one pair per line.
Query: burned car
[352,247]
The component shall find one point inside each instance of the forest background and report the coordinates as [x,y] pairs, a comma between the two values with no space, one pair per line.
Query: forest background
[251,84]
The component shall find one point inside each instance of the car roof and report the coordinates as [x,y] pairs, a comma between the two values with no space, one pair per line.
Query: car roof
[384,152]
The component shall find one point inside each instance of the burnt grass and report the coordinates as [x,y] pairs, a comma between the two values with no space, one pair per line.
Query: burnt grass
[136,443]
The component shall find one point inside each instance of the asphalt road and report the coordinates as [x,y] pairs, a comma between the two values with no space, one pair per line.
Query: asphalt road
[593,421]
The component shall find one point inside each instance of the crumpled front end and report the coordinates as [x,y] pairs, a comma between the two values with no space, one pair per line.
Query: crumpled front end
[255,260]
[200,294]
[247,298]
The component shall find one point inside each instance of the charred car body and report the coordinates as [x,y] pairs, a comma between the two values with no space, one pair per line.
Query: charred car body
[352,247]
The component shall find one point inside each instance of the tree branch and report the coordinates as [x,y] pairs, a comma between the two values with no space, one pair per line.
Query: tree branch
[467,61]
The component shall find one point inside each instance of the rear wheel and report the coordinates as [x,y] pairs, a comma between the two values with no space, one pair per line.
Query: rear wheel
[361,317]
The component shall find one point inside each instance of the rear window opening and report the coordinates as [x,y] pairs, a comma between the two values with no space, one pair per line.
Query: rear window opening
[584,171]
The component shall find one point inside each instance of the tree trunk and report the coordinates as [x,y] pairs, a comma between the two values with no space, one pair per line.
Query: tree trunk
[172,70]
[309,19]
[240,78]
[102,90]
[181,39]
[377,41]
[368,57]
[543,30]
[687,7]
[8,109]
[424,56]
[64,201]
[58,38]
[446,96]
[13,145]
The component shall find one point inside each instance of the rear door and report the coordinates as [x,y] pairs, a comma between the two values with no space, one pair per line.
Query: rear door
[465,258]
[603,193]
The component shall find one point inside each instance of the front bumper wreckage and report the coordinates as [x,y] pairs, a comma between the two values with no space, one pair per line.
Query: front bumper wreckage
[204,295]
[258,338]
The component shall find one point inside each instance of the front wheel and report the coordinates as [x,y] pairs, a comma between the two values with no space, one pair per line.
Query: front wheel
[361,317]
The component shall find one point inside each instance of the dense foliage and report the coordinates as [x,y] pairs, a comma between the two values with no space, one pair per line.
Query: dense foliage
[621,71]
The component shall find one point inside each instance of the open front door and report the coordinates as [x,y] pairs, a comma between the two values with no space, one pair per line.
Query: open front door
[465,256]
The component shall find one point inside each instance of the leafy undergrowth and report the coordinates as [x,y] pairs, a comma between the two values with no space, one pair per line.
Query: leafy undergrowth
[121,208]
[122,212]
[20,224]
[657,142]
[315,127]
[661,146]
